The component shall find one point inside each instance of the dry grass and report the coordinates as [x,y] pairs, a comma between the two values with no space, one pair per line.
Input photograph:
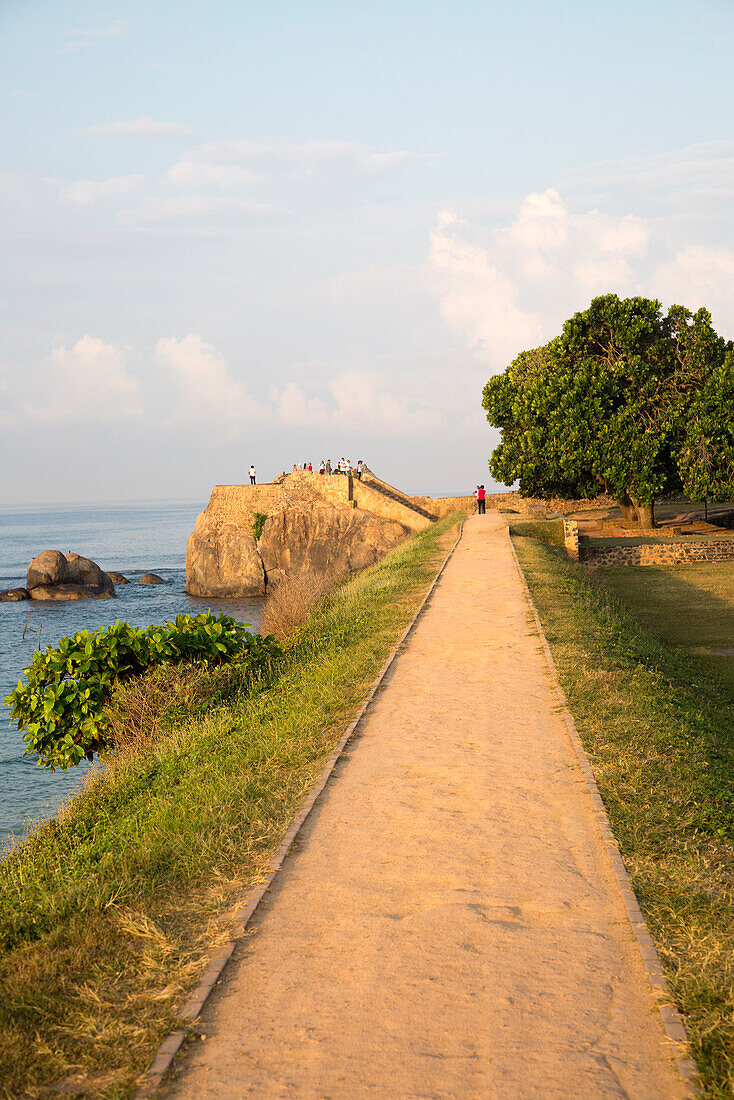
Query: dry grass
[139,709]
[288,603]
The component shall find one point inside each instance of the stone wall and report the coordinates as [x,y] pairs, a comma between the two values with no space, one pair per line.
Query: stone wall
[239,503]
[663,553]
[387,507]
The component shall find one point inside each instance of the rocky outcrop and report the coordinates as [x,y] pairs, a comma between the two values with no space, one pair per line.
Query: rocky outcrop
[14,595]
[56,576]
[68,592]
[84,571]
[222,560]
[327,539]
[151,578]
[48,567]
[117,578]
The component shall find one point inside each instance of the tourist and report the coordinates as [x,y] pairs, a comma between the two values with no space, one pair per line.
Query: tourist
[310,468]
[295,468]
[253,475]
[360,468]
[322,467]
[481,499]
[328,465]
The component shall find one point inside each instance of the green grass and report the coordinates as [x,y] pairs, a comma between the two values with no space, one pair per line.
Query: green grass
[107,914]
[549,531]
[689,607]
[658,725]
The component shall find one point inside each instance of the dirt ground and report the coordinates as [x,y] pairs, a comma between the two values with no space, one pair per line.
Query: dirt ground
[449,925]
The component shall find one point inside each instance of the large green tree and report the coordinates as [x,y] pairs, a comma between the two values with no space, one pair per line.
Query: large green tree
[627,400]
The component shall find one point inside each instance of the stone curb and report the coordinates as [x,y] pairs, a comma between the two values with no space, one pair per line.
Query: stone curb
[153,1077]
[672,1021]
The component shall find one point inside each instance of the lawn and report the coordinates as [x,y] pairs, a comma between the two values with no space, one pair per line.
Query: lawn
[688,607]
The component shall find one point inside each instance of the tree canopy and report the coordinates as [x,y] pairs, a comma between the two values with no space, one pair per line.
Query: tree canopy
[626,400]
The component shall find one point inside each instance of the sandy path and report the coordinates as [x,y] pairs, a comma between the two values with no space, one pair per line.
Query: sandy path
[449,925]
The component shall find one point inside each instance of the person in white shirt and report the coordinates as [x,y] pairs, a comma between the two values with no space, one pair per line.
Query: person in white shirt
[253,475]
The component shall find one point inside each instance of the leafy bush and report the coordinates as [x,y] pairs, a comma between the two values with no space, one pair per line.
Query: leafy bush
[61,706]
[258,522]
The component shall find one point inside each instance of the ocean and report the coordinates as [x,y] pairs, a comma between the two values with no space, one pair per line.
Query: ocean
[132,539]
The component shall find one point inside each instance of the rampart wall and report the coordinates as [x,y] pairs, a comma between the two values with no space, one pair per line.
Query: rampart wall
[372,500]
[239,503]
[665,553]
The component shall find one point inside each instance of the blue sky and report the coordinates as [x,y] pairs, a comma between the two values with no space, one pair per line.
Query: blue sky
[270,233]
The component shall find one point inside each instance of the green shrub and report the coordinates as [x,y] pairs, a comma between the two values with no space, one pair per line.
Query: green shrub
[61,706]
[258,522]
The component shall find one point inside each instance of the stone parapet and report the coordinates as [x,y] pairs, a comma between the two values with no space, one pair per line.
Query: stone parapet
[388,507]
[671,553]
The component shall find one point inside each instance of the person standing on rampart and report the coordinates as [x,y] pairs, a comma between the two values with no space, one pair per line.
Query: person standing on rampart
[322,467]
[253,476]
[481,496]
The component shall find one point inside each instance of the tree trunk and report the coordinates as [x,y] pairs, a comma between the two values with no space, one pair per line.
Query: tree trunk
[628,510]
[645,514]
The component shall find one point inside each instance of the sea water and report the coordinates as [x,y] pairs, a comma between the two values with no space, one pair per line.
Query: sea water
[146,537]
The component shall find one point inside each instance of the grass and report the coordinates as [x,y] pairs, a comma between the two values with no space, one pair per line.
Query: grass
[688,607]
[549,531]
[108,914]
[658,725]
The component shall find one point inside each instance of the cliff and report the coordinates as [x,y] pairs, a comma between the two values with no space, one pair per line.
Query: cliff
[331,524]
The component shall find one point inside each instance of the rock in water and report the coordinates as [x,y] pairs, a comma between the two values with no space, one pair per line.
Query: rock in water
[69,592]
[56,576]
[84,572]
[13,595]
[117,578]
[329,539]
[222,560]
[48,567]
[151,578]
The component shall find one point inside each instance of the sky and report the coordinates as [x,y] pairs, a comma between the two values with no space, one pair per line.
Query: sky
[244,233]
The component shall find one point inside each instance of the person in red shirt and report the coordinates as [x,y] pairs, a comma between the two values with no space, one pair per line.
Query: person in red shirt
[481,499]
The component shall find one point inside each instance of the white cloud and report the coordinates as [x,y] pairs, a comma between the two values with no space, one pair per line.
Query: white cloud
[354,398]
[204,388]
[87,382]
[205,210]
[512,288]
[189,173]
[83,37]
[475,296]
[699,276]
[143,128]
[86,192]
[234,163]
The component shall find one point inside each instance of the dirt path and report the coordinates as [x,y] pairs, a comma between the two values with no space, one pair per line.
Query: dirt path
[449,925]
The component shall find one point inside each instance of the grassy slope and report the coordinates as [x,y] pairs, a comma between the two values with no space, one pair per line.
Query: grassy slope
[658,725]
[105,915]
